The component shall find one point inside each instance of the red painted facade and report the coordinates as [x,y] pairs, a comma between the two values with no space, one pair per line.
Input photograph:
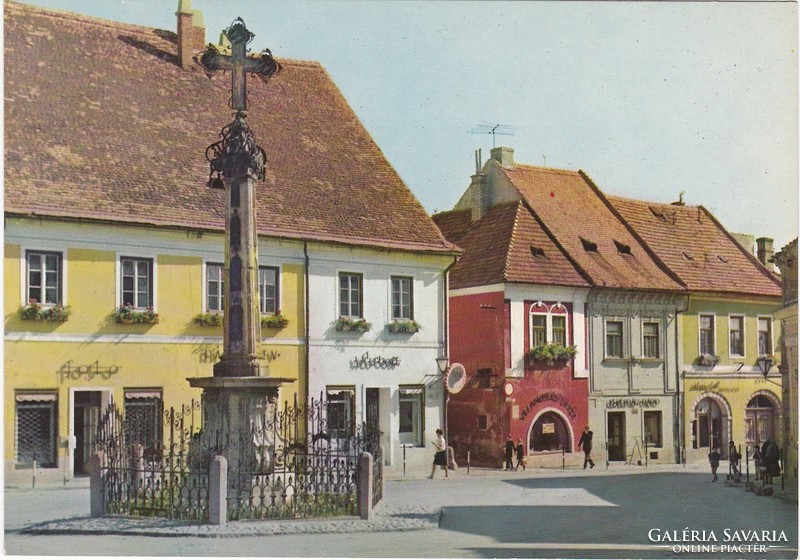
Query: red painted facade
[547,408]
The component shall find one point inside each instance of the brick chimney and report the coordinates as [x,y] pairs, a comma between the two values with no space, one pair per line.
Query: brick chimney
[479,189]
[191,32]
[764,251]
[503,155]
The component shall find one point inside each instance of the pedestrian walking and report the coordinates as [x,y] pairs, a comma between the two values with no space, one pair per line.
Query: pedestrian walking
[440,455]
[586,443]
[520,455]
[510,447]
[770,456]
[733,458]
[757,461]
[713,458]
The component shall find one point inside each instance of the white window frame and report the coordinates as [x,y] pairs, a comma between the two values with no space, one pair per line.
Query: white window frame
[549,314]
[339,275]
[414,394]
[659,332]
[401,277]
[713,316]
[23,271]
[349,414]
[624,349]
[741,317]
[660,415]
[771,325]
[277,270]
[206,265]
[118,275]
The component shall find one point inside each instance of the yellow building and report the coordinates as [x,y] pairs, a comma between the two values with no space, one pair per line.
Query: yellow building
[110,224]
[727,333]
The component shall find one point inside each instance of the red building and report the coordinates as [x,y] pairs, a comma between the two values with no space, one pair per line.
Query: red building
[517,314]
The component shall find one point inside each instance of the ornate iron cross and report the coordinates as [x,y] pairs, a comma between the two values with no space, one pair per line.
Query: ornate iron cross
[263,65]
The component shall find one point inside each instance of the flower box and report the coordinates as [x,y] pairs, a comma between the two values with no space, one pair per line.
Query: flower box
[552,352]
[708,360]
[402,326]
[346,324]
[35,312]
[210,319]
[127,314]
[276,321]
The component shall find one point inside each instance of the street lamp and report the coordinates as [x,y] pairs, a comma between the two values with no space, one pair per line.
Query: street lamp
[442,362]
[764,363]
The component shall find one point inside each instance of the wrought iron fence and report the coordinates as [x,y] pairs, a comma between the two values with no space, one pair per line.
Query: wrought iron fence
[285,464]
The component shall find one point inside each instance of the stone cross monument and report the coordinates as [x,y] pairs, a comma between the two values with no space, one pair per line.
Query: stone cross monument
[240,397]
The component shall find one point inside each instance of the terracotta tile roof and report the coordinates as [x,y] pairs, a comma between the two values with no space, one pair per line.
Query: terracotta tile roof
[506,245]
[695,246]
[101,123]
[599,244]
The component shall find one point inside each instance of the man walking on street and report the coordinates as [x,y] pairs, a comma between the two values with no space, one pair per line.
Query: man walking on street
[586,443]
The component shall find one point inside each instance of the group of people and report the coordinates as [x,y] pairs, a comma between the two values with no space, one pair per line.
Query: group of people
[512,450]
[766,459]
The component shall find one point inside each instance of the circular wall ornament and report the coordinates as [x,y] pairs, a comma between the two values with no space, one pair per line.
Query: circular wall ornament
[508,389]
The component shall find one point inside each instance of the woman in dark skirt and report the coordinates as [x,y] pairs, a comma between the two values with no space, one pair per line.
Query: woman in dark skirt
[440,456]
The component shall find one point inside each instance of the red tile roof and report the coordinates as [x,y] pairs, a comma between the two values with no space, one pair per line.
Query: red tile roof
[101,123]
[506,245]
[695,246]
[599,244]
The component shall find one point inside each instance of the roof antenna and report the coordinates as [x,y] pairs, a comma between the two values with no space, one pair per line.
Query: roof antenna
[493,129]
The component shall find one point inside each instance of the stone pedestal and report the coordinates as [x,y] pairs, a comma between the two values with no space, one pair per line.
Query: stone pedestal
[238,420]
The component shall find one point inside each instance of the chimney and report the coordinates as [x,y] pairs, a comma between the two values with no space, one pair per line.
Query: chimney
[764,251]
[191,32]
[479,189]
[503,155]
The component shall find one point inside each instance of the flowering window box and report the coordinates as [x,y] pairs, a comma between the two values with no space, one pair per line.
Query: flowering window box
[209,319]
[402,326]
[708,360]
[275,321]
[34,311]
[347,324]
[552,352]
[127,314]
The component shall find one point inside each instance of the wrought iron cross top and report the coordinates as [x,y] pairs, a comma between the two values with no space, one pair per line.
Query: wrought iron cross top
[262,65]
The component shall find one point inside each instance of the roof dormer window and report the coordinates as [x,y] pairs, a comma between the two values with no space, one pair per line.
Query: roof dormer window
[537,252]
[588,245]
[622,248]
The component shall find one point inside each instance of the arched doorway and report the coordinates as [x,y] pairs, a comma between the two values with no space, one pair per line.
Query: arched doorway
[710,426]
[760,419]
[550,432]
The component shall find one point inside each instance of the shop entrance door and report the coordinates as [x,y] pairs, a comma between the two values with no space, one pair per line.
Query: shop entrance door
[86,418]
[616,436]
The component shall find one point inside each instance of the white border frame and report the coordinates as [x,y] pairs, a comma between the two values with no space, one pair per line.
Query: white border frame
[118,275]
[713,316]
[743,317]
[23,272]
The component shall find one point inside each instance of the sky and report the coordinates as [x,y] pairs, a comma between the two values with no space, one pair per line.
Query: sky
[649,99]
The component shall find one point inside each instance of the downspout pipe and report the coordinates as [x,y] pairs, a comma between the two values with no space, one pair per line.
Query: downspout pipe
[446,341]
[679,404]
[307,327]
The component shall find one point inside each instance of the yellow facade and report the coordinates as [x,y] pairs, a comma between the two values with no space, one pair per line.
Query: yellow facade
[91,356]
[732,399]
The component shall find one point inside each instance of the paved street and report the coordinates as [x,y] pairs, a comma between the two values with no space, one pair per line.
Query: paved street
[542,514]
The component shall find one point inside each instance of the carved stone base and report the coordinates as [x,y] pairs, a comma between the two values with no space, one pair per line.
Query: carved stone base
[237,365]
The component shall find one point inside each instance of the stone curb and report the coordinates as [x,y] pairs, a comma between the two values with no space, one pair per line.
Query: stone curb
[410,520]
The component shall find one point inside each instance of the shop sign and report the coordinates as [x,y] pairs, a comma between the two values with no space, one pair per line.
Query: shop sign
[632,403]
[87,372]
[712,386]
[378,362]
[208,354]
[549,397]
[548,428]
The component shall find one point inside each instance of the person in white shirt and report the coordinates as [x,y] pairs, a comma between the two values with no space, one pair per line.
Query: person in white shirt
[440,456]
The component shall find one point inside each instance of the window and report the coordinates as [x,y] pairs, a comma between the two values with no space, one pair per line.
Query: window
[341,405]
[411,417]
[538,330]
[614,339]
[707,335]
[764,336]
[36,429]
[548,324]
[44,276]
[550,433]
[137,282]
[736,326]
[350,301]
[650,340]
[215,287]
[268,290]
[402,298]
[652,427]
[143,420]
[483,422]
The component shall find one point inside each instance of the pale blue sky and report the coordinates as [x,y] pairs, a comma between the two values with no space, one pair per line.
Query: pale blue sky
[649,99]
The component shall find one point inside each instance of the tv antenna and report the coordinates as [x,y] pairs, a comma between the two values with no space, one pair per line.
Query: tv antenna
[493,129]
